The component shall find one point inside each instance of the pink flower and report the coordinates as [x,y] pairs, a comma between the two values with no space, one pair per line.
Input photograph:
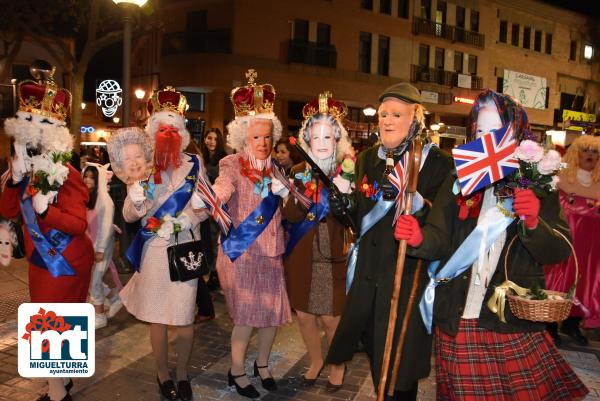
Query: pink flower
[549,163]
[529,151]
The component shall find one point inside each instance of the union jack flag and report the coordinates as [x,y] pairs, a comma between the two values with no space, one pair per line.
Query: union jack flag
[216,208]
[485,160]
[399,179]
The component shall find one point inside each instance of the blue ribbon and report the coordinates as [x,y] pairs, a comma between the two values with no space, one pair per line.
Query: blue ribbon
[463,258]
[49,247]
[379,210]
[241,237]
[172,206]
[317,211]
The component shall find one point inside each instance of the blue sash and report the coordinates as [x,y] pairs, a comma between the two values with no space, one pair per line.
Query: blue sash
[172,206]
[488,230]
[241,237]
[49,247]
[317,212]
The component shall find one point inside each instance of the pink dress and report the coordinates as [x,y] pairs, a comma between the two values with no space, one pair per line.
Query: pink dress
[254,285]
[583,216]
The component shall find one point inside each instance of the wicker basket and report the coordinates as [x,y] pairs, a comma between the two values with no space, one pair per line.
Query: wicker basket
[546,310]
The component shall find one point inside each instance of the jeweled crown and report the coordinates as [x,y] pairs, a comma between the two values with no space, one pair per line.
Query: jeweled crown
[253,98]
[325,104]
[46,99]
[168,99]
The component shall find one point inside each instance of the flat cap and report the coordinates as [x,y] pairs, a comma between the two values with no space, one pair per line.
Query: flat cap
[403,91]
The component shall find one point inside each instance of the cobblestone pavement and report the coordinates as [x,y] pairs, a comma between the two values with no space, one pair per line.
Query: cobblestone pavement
[125,368]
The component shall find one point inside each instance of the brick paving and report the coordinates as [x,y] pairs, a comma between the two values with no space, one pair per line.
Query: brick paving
[125,367]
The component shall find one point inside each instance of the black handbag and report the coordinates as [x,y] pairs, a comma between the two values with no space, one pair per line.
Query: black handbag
[187,261]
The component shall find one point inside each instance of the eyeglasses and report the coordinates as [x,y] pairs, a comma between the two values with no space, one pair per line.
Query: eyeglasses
[87,130]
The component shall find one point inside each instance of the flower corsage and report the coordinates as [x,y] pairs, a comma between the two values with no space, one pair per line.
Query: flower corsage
[50,171]
[168,225]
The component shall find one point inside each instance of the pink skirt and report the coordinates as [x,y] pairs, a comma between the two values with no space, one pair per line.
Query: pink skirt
[254,288]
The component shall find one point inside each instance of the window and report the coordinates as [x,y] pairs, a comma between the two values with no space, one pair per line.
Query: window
[475,21]
[588,52]
[458,62]
[472,64]
[301,30]
[537,41]
[515,35]
[424,55]
[366,4]
[440,13]
[323,34]
[573,51]
[548,43]
[295,110]
[195,100]
[426,9]
[403,8]
[383,62]
[364,52]
[385,7]
[439,58]
[503,31]
[460,17]
[526,37]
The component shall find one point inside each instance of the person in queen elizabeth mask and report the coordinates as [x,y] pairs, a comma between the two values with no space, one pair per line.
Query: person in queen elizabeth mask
[315,263]
[163,203]
[375,204]
[249,262]
[484,351]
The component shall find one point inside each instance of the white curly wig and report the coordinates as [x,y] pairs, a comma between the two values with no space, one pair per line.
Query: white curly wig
[36,131]
[238,128]
[9,227]
[168,118]
[344,145]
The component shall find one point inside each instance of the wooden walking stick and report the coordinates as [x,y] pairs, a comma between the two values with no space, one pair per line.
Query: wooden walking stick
[413,176]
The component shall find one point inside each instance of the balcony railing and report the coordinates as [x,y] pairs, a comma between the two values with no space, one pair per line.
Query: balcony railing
[449,32]
[312,53]
[419,73]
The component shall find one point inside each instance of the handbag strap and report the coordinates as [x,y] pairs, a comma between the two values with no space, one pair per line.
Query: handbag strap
[177,236]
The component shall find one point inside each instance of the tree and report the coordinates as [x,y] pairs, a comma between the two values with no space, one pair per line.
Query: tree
[92,24]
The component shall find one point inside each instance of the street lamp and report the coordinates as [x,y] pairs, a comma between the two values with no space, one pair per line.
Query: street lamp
[140,93]
[369,111]
[127,5]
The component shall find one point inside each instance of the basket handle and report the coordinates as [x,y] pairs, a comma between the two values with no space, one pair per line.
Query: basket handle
[555,232]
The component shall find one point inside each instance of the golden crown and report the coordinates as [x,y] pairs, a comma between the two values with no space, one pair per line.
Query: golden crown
[168,99]
[252,99]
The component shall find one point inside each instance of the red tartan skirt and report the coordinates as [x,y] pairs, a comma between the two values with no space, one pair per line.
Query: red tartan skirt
[479,364]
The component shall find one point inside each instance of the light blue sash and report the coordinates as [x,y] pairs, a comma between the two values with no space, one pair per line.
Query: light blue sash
[489,229]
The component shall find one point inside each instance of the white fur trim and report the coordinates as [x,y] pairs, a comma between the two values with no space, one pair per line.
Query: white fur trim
[238,127]
[50,137]
[169,118]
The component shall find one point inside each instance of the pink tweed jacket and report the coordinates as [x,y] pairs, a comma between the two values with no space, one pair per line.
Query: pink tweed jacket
[238,192]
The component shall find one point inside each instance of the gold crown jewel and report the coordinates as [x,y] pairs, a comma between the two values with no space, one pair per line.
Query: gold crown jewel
[253,98]
[323,102]
[46,98]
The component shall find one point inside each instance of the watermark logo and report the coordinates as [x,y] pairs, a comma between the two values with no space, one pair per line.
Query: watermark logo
[56,340]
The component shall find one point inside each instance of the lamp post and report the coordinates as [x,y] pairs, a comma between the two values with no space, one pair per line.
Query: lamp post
[127,20]
[369,111]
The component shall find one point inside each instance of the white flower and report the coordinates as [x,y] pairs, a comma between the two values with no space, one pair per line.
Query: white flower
[554,182]
[166,230]
[57,172]
[529,151]
[549,163]
[184,221]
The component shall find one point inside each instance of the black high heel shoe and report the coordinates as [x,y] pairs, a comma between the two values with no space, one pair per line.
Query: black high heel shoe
[184,389]
[332,388]
[311,382]
[167,389]
[248,391]
[268,383]
[46,397]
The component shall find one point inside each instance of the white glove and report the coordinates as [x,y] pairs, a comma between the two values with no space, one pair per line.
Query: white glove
[184,221]
[41,201]
[19,169]
[342,184]
[136,194]
[197,202]
[278,188]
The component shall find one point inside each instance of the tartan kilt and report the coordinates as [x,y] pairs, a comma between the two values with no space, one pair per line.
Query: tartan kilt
[479,364]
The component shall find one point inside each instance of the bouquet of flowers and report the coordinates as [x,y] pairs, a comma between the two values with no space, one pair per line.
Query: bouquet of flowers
[168,225]
[537,168]
[50,171]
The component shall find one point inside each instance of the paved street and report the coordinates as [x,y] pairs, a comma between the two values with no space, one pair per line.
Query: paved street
[125,368]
